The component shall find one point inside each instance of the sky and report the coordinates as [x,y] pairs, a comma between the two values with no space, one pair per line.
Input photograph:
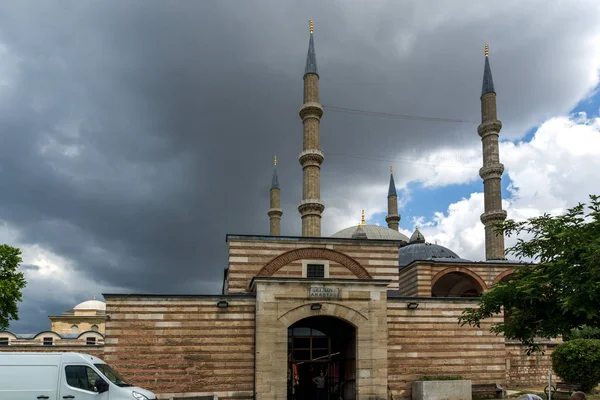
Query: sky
[135,135]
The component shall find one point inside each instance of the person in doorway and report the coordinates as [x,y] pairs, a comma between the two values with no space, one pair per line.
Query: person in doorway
[320,382]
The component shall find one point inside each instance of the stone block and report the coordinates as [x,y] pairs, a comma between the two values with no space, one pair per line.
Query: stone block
[441,390]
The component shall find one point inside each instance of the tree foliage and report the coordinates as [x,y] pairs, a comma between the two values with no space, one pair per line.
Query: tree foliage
[561,291]
[11,284]
[578,362]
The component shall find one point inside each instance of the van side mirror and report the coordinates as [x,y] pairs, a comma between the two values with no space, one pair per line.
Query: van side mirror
[101,386]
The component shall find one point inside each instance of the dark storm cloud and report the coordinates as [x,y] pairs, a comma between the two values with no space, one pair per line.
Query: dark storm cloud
[137,134]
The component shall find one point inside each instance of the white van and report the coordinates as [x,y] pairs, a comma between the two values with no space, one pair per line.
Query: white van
[57,376]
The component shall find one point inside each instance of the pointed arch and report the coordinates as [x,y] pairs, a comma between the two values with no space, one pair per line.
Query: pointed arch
[503,275]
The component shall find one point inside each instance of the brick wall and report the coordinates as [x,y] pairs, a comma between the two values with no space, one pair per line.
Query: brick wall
[176,344]
[247,256]
[429,341]
[528,371]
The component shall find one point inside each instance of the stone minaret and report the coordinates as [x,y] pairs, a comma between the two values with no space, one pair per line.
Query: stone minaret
[393,218]
[311,207]
[275,211]
[492,169]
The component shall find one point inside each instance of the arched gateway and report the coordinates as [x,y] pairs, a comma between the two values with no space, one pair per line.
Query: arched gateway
[305,326]
[321,359]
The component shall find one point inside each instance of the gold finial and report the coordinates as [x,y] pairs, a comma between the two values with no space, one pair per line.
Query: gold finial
[391,169]
[362,218]
[487,50]
[312,27]
[275,161]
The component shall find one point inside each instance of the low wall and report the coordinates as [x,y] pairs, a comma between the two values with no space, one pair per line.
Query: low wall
[441,390]
[528,371]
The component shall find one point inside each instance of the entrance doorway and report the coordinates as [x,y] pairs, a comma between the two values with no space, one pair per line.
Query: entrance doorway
[324,345]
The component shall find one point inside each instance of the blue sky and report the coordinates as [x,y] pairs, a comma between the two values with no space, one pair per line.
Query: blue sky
[425,201]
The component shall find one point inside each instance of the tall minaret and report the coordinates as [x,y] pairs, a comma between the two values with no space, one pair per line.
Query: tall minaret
[311,207]
[492,169]
[393,218]
[275,211]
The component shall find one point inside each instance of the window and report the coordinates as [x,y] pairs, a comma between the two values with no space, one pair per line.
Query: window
[3,341]
[315,271]
[74,329]
[90,341]
[95,328]
[82,377]
[48,341]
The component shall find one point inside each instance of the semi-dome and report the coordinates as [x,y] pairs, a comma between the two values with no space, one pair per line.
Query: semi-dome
[96,305]
[370,232]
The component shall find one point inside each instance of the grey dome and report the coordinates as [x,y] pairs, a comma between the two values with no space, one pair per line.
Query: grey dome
[425,251]
[370,232]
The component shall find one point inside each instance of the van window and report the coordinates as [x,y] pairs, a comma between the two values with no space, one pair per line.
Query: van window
[112,375]
[81,377]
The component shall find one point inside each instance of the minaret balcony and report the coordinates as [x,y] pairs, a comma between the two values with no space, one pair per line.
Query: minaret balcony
[311,157]
[493,217]
[311,110]
[491,171]
[489,128]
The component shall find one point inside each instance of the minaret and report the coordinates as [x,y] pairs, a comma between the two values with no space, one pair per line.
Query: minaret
[311,207]
[275,211]
[393,218]
[492,169]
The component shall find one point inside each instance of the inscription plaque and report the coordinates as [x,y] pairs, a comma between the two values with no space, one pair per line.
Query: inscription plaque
[324,292]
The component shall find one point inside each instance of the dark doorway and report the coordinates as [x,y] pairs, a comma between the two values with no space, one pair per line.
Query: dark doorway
[321,344]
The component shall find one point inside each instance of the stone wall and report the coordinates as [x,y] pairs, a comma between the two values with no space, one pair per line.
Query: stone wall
[528,371]
[429,341]
[249,255]
[183,344]
[97,351]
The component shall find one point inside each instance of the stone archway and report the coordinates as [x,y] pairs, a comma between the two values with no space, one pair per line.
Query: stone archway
[457,282]
[504,275]
[314,253]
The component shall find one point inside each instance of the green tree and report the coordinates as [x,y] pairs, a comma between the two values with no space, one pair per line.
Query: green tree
[561,291]
[11,284]
[578,362]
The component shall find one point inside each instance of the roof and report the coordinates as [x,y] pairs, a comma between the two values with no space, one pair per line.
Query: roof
[425,251]
[96,305]
[371,232]
[275,180]
[311,58]
[392,189]
[488,82]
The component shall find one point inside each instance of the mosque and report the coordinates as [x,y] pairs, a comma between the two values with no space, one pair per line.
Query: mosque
[369,307]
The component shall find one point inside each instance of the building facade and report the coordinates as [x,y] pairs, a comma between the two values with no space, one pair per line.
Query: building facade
[369,307]
[372,309]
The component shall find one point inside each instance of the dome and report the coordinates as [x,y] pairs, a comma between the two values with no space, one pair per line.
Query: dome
[425,251]
[96,305]
[370,232]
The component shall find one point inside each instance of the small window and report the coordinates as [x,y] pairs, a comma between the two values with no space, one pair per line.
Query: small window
[95,328]
[74,329]
[3,341]
[315,271]
[48,341]
[81,377]
[90,341]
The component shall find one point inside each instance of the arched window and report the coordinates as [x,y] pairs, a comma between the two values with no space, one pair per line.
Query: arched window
[74,329]
[95,328]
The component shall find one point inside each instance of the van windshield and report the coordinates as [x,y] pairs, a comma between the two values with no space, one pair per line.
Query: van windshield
[112,375]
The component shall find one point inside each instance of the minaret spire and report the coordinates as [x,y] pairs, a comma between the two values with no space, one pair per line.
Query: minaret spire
[311,207]
[275,211]
[393,218]
[492,169]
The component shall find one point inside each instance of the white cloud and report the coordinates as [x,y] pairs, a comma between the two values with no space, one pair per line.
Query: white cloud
[554,171]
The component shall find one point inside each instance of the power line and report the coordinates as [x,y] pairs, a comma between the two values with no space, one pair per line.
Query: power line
[398,160]
[396,116]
